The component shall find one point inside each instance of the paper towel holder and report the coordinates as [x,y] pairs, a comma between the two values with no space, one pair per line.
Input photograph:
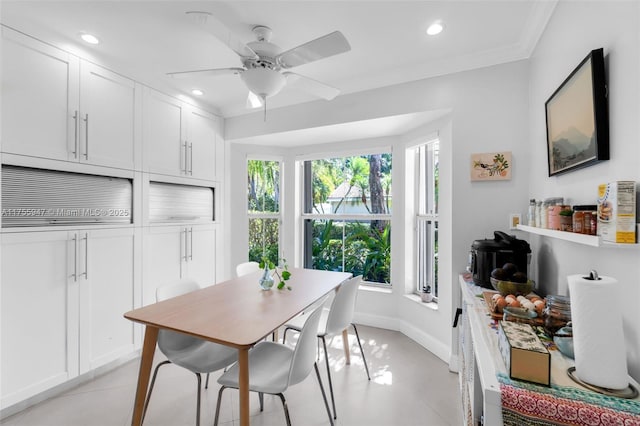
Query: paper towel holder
[630,392]
[593,275]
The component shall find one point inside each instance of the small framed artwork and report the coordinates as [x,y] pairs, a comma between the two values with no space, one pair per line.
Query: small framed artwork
[577,118]
[514,220]
[491,166]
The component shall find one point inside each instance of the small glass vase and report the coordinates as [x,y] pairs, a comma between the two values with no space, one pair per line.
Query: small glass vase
[266,281]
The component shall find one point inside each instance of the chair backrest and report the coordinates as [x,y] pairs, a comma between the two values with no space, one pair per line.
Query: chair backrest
[246,268]
[170,341]
[304,354]
[343,306]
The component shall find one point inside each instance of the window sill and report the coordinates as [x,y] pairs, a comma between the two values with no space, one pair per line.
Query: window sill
[376,289]
[415,298]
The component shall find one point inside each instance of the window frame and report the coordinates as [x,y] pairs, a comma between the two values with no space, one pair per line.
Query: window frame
[251,215]
[426,217]
[307,204]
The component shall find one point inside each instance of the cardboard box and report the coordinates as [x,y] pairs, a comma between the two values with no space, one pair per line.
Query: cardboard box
[617,212]
[524,355]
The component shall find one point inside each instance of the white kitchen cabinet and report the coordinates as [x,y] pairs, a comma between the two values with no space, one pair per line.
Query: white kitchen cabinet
[39,98]
[106,122]
[63,294]
[202,143]
[479,387]
[59,107]
[164,149]
[172,253]
[179,139]
[107,284]
[39,316]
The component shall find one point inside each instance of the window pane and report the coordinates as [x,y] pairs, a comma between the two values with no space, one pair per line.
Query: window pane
[263,239]
[359,247]
[351,185]
[263,186]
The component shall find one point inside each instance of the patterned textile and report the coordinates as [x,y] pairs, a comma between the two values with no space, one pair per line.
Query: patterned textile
[529,404]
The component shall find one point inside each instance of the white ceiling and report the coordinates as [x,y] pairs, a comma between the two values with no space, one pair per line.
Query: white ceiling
[146,39]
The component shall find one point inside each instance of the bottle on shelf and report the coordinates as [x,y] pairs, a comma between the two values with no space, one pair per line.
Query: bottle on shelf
[532,213]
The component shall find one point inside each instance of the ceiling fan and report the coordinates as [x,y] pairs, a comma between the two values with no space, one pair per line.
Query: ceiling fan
[263,63]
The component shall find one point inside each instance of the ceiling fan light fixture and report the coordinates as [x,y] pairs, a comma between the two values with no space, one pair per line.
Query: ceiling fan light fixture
[263,82]
[254,101]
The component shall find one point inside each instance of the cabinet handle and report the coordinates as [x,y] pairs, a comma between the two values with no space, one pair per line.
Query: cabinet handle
[86,256]
[75,134]
[184,153]
[191,158]
[86,136]
[75,258]
[190,243]
[183,245]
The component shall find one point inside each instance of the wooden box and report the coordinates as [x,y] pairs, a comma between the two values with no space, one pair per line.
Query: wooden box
[524,355]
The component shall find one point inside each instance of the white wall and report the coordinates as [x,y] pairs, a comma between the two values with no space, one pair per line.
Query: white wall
[573,31]
[488,113]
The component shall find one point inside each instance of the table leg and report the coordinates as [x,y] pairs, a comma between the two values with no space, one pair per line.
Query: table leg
[148,349]
[345,344]
[243,385]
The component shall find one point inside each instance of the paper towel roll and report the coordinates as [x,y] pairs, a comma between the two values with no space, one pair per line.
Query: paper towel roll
[598,338]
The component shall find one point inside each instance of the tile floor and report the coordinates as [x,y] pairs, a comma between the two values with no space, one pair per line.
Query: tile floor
[409,387]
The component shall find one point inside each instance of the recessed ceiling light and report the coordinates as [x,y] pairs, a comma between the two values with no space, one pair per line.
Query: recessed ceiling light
[197,92]
[435,28]
[89,38]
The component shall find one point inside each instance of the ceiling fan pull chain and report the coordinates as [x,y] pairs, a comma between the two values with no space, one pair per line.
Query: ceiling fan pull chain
[265,108]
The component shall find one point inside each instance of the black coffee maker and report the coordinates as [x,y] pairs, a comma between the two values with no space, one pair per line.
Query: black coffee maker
[486,255]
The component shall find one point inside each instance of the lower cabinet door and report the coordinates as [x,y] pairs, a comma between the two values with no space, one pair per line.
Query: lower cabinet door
[107,291]
[164,259]
[39,313]
[201,250]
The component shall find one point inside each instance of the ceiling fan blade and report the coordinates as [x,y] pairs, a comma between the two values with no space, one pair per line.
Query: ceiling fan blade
[205,73]
[323,47]
[222,33]
[254,101]
[310,85]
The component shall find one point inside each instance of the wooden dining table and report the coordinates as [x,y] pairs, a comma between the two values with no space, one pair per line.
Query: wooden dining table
[236,313]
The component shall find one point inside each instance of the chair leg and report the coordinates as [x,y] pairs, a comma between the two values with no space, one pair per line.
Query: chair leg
[364,360]
[206,384]
[286,410]
[324,395]
[198,403]
[261,398]
[153,382]
[284,335]
[215,420]
[326,359]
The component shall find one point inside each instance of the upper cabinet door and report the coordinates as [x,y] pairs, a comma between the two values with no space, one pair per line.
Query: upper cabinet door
[164,149]
[39,98]
[202,132]
[107,104]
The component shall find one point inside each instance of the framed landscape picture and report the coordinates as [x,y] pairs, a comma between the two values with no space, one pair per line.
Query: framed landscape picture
[577,118]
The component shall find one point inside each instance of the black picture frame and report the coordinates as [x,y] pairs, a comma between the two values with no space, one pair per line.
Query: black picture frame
[577,118]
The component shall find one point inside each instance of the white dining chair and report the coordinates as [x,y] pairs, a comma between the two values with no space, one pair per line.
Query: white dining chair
[247,268]
[334,320]
[274,367]
[196,355]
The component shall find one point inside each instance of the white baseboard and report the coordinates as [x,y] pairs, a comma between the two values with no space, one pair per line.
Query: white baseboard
[434,346]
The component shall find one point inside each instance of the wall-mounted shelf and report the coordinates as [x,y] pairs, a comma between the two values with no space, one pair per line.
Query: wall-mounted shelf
[588,240]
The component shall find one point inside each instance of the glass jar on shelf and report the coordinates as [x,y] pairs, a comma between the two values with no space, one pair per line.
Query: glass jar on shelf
[557,313]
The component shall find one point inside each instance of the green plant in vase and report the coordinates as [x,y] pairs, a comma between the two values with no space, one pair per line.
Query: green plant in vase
[282,275]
